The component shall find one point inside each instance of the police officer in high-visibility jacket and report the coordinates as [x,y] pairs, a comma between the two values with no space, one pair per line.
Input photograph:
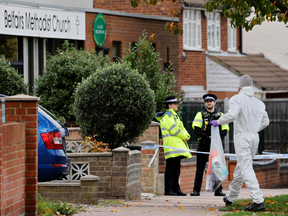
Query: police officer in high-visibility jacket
[174,135]
[202,127]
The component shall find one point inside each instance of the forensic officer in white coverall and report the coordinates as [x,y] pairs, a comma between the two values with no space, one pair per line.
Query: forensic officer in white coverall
[249,117]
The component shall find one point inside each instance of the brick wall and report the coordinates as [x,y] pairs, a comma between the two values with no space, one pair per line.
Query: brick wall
[152,133]
[149,175]
[161,9]
[85,191]
[133,189]
[129,29]
[193,70]
[19,155]
[119,172]
[13,169]
[223,95]
[269,176]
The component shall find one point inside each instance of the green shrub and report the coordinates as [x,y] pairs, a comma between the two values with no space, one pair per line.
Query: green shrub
[116,103]
[48,208]
[12,83]
[61,75]
[143,57]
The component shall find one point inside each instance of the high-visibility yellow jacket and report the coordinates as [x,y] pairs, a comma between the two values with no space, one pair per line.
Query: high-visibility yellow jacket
[202,127]
[173,134]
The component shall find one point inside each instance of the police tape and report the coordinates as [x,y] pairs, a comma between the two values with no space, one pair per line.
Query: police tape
[269,155]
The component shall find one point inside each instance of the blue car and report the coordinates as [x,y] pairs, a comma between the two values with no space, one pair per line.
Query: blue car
[52,160]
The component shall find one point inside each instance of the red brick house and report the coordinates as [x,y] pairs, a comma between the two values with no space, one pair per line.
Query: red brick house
[125,24]
[211,60]
[207,57]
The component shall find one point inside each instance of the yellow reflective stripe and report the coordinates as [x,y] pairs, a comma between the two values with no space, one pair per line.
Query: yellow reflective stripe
[174,152]
[177,132]
[225,127]
[171,128]
[168,135]
[198,121]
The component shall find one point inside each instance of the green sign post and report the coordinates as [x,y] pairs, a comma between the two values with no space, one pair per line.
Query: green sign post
[99,30]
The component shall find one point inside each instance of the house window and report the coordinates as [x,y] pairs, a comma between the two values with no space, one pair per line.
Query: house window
[213,31]
[192,30]
[116,50]
[231,36]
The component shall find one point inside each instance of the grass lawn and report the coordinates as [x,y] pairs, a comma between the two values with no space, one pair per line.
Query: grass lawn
[277,205]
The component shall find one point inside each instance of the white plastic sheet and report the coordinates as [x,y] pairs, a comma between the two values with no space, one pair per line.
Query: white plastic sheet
[217,170]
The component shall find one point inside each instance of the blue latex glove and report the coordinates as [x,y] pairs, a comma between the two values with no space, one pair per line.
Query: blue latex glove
[214,123]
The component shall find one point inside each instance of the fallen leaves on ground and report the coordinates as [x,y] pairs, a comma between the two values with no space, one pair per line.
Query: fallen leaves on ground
[181,207]
[114,210]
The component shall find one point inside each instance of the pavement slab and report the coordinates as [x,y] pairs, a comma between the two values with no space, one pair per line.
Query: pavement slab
[171,205]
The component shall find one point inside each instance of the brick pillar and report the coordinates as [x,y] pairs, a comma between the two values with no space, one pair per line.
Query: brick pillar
[89,186]
[152,133]
[120,172]
[24,108]
[149,175]
[1,160]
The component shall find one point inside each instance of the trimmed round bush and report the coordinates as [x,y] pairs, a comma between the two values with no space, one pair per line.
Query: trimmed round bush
[11,83]
[116,104]
[61,75]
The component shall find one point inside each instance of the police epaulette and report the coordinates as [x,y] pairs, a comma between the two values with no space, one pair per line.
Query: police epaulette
[205,114]
[168,113]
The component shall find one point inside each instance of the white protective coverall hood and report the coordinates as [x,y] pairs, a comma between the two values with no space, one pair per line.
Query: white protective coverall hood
[249,117]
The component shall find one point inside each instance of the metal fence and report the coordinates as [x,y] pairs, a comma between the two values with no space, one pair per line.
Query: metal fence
[272,139]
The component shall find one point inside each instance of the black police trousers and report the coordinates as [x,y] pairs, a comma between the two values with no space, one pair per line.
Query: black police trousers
[172,174]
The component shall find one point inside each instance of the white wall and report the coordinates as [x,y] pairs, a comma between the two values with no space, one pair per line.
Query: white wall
[269,38]
[221,79]
[66,3]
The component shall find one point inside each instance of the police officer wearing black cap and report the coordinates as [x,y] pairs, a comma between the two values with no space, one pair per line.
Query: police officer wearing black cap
[202,127]
[174,135]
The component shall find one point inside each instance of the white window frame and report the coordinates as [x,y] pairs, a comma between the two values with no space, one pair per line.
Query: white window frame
[232,42]
[213,31]
[192,35]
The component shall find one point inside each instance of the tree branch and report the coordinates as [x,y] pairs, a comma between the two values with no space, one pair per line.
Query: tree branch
[282,7]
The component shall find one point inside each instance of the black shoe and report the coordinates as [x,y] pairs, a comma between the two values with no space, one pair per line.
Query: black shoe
[255,207]
[227,202]
[170,193]
[219,193]
[180,193]
[195,193]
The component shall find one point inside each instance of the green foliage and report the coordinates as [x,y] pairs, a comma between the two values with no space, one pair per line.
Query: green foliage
[12,83]
[144,58]
[238,10]
[49,208]
[116,104]
[61,75]
[273,206]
